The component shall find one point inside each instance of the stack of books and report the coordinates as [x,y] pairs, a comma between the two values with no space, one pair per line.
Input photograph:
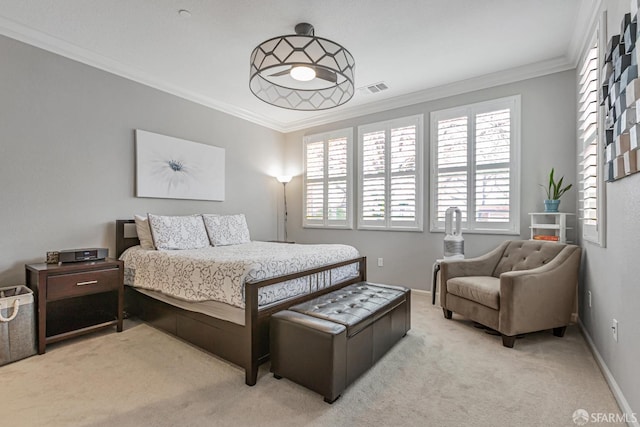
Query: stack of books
[546,237]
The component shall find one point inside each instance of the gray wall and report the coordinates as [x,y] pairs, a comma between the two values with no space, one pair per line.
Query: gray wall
[612,273]
[67,172]
[67,156]
[548,135]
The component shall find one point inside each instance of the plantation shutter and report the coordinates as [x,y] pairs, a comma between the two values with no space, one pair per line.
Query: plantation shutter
[588,134]
[403,174]
[314,178]
[337,179]
[473,156]
[390,174]
[452,174]
[328,179]
[492,166]
[373,186]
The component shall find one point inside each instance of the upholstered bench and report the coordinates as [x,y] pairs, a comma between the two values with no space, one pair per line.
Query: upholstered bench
[328,342]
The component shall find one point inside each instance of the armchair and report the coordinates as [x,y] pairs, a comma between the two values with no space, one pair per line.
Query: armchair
[521,286]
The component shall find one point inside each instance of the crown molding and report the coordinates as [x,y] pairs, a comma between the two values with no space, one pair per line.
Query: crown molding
[49,43]
[583,31]
[60,47]
[457,88]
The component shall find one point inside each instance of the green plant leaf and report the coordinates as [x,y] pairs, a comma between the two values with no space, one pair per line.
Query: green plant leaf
[555,189]
[557,192]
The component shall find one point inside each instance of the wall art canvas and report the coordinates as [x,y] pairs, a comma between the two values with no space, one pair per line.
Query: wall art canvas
[174,168]
[619,101]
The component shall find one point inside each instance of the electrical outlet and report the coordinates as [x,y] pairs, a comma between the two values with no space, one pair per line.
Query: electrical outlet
[589,295]
[380,262]
[614,329]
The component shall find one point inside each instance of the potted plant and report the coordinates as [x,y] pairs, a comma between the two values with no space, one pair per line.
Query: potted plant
[555,190]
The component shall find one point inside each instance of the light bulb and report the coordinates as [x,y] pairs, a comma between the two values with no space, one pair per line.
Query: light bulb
[284,178]
[302,73]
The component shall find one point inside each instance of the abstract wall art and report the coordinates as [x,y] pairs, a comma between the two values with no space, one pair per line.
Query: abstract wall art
[174,168]
[620,98]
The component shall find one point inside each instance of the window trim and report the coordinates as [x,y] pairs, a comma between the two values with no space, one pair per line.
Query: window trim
[326,222]
[595,234]
[387,125]
[514,104]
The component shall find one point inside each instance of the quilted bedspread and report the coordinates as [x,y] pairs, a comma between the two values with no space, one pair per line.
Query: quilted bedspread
[219,273]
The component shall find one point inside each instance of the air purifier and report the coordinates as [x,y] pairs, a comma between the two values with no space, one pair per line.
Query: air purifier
[453,241]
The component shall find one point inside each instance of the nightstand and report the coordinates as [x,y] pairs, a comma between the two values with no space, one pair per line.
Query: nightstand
[76,298]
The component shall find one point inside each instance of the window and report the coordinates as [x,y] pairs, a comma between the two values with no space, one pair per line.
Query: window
[590,147]
[475,164]
[328,179]
[390,175]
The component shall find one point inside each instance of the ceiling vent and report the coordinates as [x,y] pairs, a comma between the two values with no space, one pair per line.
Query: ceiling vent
[374,88]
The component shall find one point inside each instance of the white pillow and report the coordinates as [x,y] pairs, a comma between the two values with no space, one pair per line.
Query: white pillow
[144,232]
[227,229]
[178,232]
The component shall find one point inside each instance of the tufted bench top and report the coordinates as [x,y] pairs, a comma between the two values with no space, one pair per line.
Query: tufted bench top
[355,306]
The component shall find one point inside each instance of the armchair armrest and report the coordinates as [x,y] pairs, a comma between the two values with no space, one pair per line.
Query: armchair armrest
[540,298]
[479,266]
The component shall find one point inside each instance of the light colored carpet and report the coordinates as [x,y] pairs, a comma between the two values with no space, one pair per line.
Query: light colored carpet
[444,373]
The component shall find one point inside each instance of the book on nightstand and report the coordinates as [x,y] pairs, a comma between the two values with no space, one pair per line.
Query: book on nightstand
[546,237]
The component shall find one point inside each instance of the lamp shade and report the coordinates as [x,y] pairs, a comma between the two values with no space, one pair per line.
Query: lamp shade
[302,72]
[284,178]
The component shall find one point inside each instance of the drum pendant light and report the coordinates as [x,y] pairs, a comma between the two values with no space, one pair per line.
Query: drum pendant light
[302,71]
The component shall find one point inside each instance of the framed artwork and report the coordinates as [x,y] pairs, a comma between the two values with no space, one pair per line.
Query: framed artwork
[174,168]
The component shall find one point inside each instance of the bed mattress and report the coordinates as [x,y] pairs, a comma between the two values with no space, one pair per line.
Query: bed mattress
[218,273]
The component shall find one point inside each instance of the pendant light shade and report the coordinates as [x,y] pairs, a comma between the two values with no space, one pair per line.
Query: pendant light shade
[302,72]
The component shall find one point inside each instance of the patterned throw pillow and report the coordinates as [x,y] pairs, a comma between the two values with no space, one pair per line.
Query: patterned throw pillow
[227,229]
[178,232]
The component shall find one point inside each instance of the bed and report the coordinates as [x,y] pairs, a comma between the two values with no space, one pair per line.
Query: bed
[236,328]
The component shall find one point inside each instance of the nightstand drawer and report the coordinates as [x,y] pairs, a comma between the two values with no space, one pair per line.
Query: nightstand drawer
[69,285]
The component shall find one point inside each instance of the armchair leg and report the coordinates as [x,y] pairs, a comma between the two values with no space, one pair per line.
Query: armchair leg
[559,332]
[508,341]
[448,314]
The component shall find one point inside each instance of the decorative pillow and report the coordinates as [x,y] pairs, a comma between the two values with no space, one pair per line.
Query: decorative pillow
[144,232]
[227,229]
[178,232]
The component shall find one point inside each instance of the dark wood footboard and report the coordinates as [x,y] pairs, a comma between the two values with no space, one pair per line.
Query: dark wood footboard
[244,345]
[257,319]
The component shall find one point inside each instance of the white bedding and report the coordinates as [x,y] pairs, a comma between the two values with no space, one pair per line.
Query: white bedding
[219,272]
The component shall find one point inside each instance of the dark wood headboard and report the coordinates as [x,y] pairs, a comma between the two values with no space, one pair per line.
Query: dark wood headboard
[125,239]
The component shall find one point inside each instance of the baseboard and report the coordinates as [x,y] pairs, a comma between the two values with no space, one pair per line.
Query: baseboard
[420,291]
[613,385]
[426,294]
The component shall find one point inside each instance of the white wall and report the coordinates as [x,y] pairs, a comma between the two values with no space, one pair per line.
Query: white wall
[67,159]
[548,135]
[612,273]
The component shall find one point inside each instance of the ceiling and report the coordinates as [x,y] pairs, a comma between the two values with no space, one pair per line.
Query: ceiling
[421,49]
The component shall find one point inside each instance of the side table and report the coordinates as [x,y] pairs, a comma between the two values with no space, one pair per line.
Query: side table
[63,286]
[434,283]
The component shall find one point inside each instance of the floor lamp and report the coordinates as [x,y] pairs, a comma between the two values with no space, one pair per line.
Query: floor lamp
[284,179]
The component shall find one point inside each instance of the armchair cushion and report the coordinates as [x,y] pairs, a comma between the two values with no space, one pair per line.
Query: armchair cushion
[484,290]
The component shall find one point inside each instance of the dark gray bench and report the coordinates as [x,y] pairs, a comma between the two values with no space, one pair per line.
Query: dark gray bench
[328,342]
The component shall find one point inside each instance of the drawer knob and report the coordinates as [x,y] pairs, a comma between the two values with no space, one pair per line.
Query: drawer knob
[88,282]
